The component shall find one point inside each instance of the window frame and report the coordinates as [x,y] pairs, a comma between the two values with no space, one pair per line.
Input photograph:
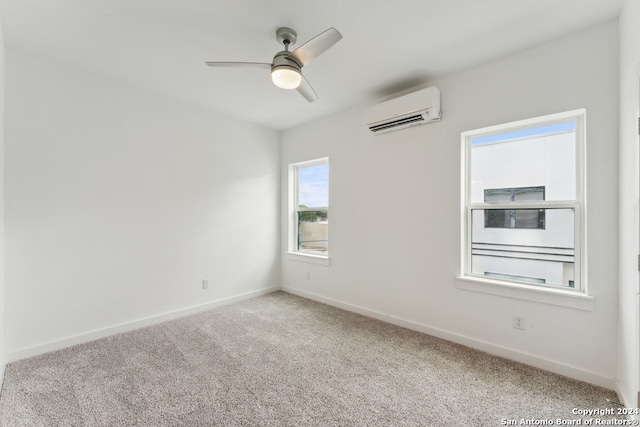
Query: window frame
[293,252]
[512,215]
[519,289]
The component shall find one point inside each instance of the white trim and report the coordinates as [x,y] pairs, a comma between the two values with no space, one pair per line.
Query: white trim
[549,119]
[307,163]
[580,217]
[520,138]
[129,326]
[538,293]
[498,350]
[542,204]
[3,365]
[627,401]
[302,257]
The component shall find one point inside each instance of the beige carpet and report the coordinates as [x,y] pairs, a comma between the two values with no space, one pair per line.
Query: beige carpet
[281,360]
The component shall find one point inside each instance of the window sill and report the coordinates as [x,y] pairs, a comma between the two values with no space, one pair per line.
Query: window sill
[559,297]
[313,259]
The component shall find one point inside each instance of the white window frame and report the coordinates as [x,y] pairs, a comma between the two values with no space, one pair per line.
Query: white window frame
[293,209]
[576,297]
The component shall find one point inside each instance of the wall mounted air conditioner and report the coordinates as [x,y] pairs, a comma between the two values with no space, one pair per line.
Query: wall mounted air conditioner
[417,108]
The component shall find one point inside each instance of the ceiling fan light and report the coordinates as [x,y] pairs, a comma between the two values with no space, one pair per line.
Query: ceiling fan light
[286,77]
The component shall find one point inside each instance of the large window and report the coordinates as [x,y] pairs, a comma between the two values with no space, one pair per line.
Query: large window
[309,203]
[523,198]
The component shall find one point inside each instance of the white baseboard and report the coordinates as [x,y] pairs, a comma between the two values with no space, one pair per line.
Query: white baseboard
[487,347]
[627,401]
[129,326]
[3,364]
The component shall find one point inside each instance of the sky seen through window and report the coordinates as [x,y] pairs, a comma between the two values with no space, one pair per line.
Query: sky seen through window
[313,186]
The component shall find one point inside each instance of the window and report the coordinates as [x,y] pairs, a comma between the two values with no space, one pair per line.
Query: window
[523,203]
[309,208]
[512,218]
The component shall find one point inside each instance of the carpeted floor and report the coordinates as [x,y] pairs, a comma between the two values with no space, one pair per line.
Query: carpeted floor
[281,360]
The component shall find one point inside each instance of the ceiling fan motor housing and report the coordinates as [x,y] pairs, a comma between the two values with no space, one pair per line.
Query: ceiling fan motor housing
[283,60]
[285,71]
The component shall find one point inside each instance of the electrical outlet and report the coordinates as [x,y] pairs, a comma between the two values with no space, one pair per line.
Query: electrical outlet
[308,276]
[519,322]
[205,283]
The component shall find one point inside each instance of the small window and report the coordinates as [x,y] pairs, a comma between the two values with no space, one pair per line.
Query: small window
[514,218]
[309,202]
[523,193]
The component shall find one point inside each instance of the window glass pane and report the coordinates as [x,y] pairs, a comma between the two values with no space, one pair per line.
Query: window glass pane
[528,255]
[313,231]
[529,218]
[538,157]
[513,277]
[313,186]
[514,218]
[524,194]
[509,218]
[497,195]
[497,218]
[312,234]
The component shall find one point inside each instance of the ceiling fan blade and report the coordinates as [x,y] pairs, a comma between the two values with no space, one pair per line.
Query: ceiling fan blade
[306,90]
[317,45]
[238,64]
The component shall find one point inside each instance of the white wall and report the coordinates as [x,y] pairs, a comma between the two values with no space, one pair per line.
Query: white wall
[382,186]
[118,204]
[628,322]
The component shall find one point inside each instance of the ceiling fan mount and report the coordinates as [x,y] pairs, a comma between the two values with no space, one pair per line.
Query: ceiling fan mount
[286,36]
[286,66]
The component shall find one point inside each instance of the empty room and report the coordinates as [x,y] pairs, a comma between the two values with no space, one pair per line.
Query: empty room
[293,213]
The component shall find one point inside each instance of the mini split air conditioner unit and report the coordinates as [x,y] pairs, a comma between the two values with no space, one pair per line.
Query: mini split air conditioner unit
[414,109]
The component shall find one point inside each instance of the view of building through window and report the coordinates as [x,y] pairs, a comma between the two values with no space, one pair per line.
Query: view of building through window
[514,218]
[312,212]
[522,204]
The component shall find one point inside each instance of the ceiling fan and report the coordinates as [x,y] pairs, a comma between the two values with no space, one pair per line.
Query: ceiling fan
[286,67]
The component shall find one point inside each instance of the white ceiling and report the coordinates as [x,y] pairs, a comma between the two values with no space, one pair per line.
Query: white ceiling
[388,46]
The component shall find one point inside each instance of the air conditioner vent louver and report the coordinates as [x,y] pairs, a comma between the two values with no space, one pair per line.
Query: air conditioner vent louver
[414,109]
[399,122]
